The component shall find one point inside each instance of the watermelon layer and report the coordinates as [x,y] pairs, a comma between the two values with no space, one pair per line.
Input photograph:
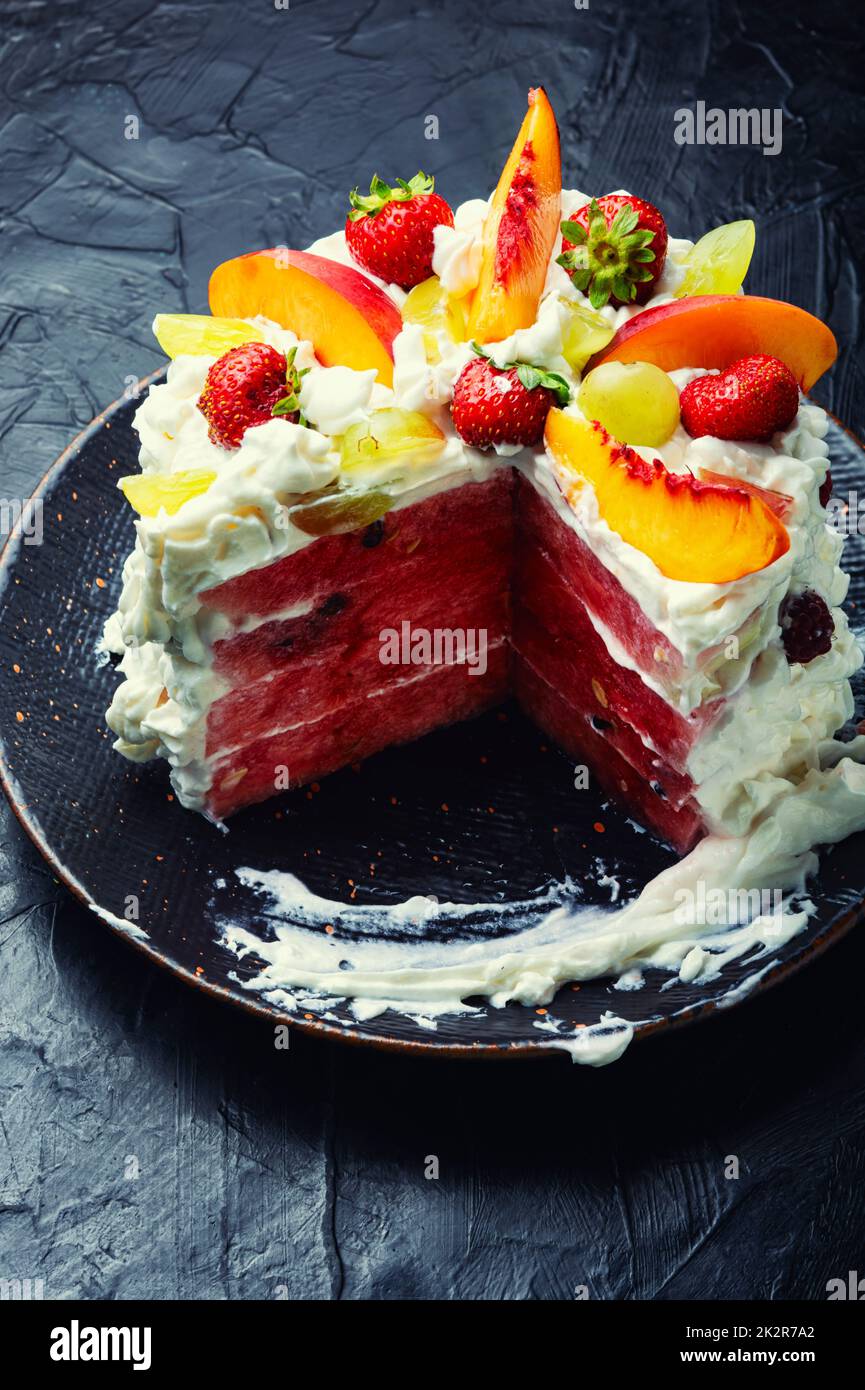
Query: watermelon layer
[314,689]
[398,713]
[587,688]
[556,633]
[566,680]
[540,527]
[433,539]
[312,692]
[682,825]
[316,677]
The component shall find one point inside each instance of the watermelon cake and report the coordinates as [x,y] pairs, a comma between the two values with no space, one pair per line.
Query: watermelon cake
[536,446]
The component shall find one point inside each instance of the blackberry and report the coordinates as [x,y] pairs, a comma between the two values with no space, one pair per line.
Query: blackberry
[806,627]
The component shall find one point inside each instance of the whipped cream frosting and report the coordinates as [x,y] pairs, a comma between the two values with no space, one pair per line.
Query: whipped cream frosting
[769,778]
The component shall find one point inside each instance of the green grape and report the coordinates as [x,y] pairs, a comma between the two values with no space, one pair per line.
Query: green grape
[719,262]
[341,511]
[636,402]
[390,435]
[585,334]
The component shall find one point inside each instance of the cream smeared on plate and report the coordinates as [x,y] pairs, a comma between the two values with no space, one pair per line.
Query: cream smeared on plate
[661,929]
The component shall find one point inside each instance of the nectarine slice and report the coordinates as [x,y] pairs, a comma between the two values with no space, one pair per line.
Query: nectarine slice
[714,330]
[778,502]
[703,533]
[521,229]
[349,320]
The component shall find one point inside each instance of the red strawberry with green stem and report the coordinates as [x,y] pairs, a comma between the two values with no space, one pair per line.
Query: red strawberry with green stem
[389,231]
[504,405]
[750,399]
[614,249]
[247,386]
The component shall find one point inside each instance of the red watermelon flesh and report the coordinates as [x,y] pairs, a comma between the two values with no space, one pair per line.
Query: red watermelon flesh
[682,826]
[437,528]
[552,627]
[398,713]
[319,678]
[584,685]
[600,591]
[311,693]
[431,559]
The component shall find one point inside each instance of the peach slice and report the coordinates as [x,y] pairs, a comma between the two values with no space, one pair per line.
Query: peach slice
[521,229]
[700,532]
[714,330]
[349,320]
[778,502]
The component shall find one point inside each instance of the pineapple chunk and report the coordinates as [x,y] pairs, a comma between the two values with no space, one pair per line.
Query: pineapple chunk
[719,262]
[151,493]
[199,335]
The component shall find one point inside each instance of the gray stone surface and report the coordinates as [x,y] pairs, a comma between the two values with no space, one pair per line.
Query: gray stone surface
[153,1144]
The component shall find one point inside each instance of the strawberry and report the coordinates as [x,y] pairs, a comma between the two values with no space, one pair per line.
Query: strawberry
[614,249]
[247,386]
[750,399]
[390,230]
[509,405]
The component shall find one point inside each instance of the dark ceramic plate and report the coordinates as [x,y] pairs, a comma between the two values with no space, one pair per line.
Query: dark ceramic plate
[512,826]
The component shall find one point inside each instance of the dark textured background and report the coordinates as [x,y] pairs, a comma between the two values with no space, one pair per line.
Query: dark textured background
[302,1173]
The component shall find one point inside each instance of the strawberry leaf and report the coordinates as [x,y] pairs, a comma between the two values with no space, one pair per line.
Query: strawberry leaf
[381,193]
[574,233]
[623,289]
[532,377]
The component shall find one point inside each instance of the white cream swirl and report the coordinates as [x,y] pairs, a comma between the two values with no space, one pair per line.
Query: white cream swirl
[459,249]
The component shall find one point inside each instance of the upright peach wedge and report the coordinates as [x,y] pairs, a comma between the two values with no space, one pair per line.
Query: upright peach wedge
[704,533]
[521,229]
[349,320]
[714,330]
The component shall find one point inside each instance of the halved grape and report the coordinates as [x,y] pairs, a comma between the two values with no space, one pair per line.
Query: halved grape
[719,261]
[388,436]
[340,512]
[636,402]
[150,493]
[429,306]
[199,335]
[586,333]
